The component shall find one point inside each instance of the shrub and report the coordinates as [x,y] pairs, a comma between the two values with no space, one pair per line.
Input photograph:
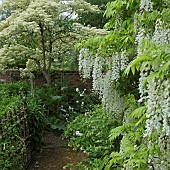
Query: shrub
[11,101]
[90,131]
[63,103]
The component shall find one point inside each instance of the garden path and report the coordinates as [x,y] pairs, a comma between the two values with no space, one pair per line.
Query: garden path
[55,154]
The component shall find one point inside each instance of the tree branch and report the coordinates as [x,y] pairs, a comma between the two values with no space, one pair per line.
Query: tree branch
[43,44]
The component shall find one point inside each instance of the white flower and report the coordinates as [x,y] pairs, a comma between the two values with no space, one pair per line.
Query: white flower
[78,133]
[146,5]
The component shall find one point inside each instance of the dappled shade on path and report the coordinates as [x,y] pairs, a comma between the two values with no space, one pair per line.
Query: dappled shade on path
[55,154]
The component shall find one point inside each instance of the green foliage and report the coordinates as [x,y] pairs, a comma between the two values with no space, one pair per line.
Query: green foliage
[152,57]
[37,120]
[12,89]
[94,19]
[93,164]
[89,132]
[8,91]
[11,98]
[63,102]
[11,155]
[133,151]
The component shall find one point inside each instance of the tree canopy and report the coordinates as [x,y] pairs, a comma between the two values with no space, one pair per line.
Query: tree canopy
[94,19]
[38,32]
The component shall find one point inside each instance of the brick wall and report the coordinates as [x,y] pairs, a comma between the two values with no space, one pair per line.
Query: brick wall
[72,77]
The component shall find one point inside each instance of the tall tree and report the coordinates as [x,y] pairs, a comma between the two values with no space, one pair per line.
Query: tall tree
[37,32]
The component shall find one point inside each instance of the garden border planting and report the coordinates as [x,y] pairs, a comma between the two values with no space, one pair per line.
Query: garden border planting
[15,136]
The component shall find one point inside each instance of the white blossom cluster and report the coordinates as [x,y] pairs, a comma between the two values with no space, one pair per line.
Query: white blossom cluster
[159,162]
[105,71]
[164,144]
[86,62]
[161,34]
[136,23]
[165,105]
[118,22]
[146,5]
[158,107]
[141,35]
[154,115]
[116,66]
[139,38]
[111,97]
[103,82]
[124,60]
[97,74]
[119,63]
[157,95]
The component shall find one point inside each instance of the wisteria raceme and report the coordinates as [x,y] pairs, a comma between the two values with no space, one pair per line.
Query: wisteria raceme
[124,60]
[161,34]
[142,91]
[86,62]
[97,74]
[153,110]
[116,66]
[146,5]
[158,107]
[118,22]
[111,97]
[158,116]
[139,38]
[103,78]
[136,24]
[165,105]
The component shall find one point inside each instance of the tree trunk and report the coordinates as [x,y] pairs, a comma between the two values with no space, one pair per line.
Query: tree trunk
[47,77]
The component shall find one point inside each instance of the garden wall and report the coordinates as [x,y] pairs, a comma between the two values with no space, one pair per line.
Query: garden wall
[72,77]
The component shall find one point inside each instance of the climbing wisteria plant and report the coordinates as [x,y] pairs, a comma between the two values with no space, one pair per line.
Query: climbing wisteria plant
[138,43]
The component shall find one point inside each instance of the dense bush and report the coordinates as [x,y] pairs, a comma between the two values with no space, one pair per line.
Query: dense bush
[10,158]
[11,101]
[64,102]
[12,89]
[90,132]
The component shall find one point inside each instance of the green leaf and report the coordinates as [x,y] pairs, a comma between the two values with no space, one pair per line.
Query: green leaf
[133,69]
[139,112]
[116,132]
[115,157]
[56,97]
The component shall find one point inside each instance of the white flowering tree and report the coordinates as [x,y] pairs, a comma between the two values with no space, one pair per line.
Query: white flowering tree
[38,32]
[138,43]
